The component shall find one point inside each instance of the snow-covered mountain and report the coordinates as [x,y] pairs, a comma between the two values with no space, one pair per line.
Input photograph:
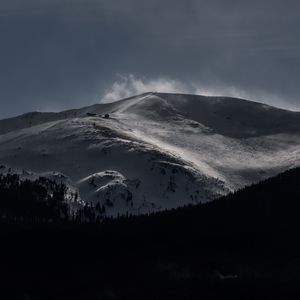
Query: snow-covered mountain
[156,151]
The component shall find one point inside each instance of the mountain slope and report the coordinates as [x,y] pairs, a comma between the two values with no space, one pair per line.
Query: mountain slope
[109,166]
[156,151]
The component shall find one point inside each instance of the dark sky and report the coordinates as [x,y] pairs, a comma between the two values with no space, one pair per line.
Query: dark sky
[57,54]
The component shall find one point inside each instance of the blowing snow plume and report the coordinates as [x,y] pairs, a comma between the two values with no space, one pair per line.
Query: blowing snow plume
[129,85]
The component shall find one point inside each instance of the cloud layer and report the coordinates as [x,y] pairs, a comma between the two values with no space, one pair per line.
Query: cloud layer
[65,53]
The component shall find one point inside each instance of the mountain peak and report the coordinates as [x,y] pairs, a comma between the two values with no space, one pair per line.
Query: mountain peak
[156,150]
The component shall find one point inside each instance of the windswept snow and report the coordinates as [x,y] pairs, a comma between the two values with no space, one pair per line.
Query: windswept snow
[156,151]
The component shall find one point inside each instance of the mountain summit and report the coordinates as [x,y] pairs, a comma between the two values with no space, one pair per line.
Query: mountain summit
[156,150]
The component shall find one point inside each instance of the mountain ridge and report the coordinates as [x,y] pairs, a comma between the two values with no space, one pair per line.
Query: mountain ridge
[106,106]
[182,148]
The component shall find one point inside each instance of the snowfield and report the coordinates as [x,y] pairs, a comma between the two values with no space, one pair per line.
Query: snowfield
[156,151]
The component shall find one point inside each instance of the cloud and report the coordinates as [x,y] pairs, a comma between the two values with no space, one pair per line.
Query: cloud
[68,51]
[129,85]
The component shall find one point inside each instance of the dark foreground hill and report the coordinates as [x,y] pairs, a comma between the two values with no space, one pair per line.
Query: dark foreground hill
[242,246]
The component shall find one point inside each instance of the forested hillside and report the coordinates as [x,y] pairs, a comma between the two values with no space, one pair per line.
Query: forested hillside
[242,246]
